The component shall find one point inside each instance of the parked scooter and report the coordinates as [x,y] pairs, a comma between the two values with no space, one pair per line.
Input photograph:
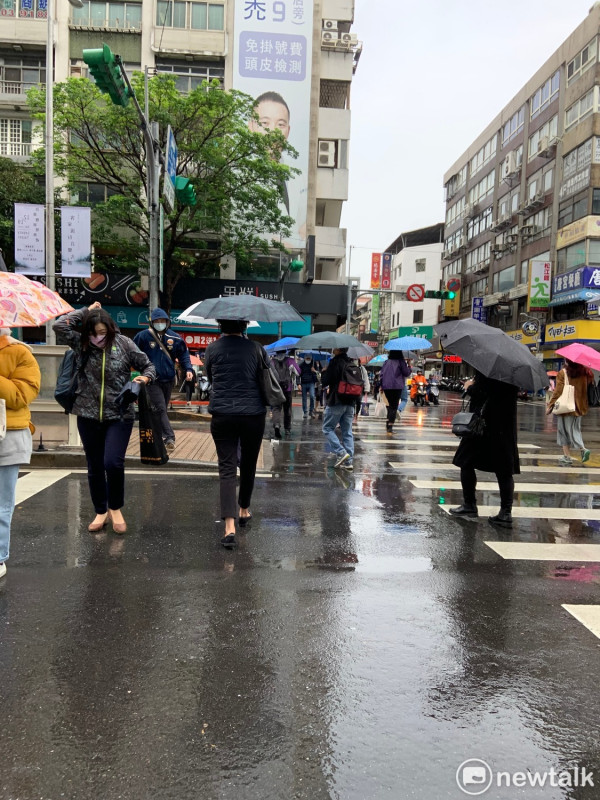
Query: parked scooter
[433,392]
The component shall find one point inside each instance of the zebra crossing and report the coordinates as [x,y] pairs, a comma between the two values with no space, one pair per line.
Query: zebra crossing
[543,499]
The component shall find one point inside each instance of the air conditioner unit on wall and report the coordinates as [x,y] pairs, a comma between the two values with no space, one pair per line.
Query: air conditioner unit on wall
[349,38]
[509,165]
[330,24]
[329,37]
[326,153]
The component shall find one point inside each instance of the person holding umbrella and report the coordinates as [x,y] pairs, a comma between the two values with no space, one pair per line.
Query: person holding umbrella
[578,375]
[394,373]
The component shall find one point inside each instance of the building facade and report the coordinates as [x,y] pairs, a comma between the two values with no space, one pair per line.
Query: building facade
[526,193]
[196,41]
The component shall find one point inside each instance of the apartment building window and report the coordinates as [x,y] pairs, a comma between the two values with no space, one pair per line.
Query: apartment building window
[456,182]
[18,74]
[483,188]
[548,179]
[417,316]
[593,251]
[79,69]
[582,108]
[524,277]
[540,222]
[452,269]
[508,204]
[90,194]
[484,155]
[420,264]
[455,212]
[595,201]
[572,210]
[334,94]
[95,14]
[477,257]
[545,95]
[198,16]
[514,126]
[454,241]
[189,76]
[504,280]
[479,224]
[25,9]
[570,257]
[549,130]
[15,137]
[582,61]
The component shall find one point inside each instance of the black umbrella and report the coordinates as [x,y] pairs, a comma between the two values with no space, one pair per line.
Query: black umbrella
[493,353]
[242,306]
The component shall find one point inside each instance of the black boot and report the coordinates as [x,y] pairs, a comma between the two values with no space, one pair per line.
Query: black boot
[468,511]
[503,518]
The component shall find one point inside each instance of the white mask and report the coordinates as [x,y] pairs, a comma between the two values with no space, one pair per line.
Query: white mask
[307,360]
[160,326]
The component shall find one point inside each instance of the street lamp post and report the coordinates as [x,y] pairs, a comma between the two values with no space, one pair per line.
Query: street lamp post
[49,143]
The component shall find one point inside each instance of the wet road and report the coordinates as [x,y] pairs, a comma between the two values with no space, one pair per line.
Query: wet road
[359,644]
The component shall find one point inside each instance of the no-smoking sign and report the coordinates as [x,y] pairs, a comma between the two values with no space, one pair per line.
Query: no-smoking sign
[415,293]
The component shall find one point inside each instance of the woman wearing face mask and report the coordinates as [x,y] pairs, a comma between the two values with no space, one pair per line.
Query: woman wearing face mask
[284,366]
[105,360]
[308,379]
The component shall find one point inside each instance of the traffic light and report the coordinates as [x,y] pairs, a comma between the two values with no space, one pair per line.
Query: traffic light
[435,294]
[105,68]
[297,265]
[184,191]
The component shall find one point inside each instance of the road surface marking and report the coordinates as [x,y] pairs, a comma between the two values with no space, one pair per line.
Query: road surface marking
[543,551]
[36,481]
[589,616]
[418,465]
[492,486]
[178,472]
[441,442]
[539,512]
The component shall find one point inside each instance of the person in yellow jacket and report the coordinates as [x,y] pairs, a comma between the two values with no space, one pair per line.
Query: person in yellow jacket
[19,386]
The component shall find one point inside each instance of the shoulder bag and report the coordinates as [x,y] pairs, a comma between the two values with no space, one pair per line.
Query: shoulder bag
[468,423]
[566,402]
[65,391]
[270,389]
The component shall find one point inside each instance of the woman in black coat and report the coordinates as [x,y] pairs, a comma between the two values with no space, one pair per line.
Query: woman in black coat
[494,451]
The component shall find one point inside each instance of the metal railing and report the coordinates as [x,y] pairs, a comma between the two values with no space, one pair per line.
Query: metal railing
[18,149]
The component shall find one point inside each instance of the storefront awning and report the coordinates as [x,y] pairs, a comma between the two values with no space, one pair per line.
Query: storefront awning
[577,296]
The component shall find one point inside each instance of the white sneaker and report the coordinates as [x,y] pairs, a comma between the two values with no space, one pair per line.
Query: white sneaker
[170,445]
[2,570]
[341,460]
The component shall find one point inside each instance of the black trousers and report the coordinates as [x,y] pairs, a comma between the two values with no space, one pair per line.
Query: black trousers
[230,432]
[287,412]
[105,444]
[393,398]
[506,483]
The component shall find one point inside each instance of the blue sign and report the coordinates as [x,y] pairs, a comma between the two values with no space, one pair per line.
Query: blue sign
[171,169]
[580,278]
[478,310]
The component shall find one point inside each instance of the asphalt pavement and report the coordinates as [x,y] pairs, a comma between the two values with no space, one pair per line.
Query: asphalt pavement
[359,644]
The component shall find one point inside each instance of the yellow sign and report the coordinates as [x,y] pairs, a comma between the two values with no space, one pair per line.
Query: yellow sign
[452,307]
[519,336]
[576,231]
[573,330]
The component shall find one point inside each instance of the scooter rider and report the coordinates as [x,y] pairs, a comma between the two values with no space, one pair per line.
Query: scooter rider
[418,380]
[163,347]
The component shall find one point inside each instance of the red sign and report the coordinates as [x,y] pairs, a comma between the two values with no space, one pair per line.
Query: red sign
[199,339]
[453,359]
[415,293]
[375,270]
[453,285]
[386,271]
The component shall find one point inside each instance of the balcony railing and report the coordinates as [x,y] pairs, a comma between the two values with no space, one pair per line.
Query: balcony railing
[16,87]
[110,24]
[15,149]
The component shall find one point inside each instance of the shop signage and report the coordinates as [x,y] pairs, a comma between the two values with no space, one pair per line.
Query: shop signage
[200,339]
[529,339]
[375,270]
[539,285]
[452,359]
[422,331]
[572,185]
[580,278]
[375,313]
[583,330]
[386,270]
[478,310]
[576,231]
[452,307]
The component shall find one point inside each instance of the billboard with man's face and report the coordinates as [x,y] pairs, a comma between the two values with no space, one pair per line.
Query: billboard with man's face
[272,63]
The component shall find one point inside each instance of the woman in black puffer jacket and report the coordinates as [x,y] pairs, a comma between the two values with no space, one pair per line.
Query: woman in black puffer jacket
[238,417]
[105,359]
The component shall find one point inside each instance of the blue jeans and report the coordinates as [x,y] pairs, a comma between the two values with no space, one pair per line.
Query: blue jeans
[341,415]
[8,485]
[308,389]
[403,398]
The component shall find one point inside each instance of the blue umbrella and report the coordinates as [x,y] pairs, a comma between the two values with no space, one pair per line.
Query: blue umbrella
[318,355]
[378,361]
[287,343]
[407,343]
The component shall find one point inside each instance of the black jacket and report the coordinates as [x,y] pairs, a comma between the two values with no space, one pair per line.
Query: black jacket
[232,364]
[306,372]
[495,451]
[331,377]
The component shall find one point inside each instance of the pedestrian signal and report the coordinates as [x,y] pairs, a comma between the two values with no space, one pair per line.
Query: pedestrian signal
[105,68]
[297,265]
[184,191]
[436,294]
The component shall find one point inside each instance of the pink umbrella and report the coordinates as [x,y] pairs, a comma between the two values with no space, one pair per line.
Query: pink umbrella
[581,354]
[26,304]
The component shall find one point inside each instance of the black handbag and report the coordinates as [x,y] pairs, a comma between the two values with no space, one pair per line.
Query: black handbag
[152,447]
[468,423]
[593,396]
[65,390]
[270,389]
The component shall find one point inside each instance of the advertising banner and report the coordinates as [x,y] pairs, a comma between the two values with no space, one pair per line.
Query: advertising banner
[572,330]
[273,63]
[539,285]
[171,170]
[30,255]
[386,270]
[375,313]
[376,271]
[478,310]
[76,242]
[588,227]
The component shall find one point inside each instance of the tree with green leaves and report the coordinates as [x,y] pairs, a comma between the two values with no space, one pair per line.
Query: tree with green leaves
[237,174]
[17,185]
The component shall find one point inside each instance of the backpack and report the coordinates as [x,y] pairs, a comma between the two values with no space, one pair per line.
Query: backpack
[281,370]
[65,390]
[352,383]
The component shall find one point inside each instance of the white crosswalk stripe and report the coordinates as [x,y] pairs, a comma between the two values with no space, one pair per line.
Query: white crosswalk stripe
[588,615]
[445,441]
[545,551]
[492,486]
[537,512]
[428,467]
[36,481]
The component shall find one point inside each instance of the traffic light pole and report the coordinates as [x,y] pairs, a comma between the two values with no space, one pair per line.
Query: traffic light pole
[154,157]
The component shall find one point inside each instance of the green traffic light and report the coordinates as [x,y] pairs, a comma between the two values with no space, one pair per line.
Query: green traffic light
[184,191]
[105,68]
[296,265]
[450,295]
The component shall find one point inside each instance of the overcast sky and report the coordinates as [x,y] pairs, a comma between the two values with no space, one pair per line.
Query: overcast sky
[432,75]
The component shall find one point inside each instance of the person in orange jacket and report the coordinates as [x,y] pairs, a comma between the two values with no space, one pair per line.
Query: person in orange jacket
[417,379]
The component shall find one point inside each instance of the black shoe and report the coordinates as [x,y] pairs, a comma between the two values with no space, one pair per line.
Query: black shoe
[229,540]
[470,512]
[288,431]
[243,521]
[503,519]
[277,432]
